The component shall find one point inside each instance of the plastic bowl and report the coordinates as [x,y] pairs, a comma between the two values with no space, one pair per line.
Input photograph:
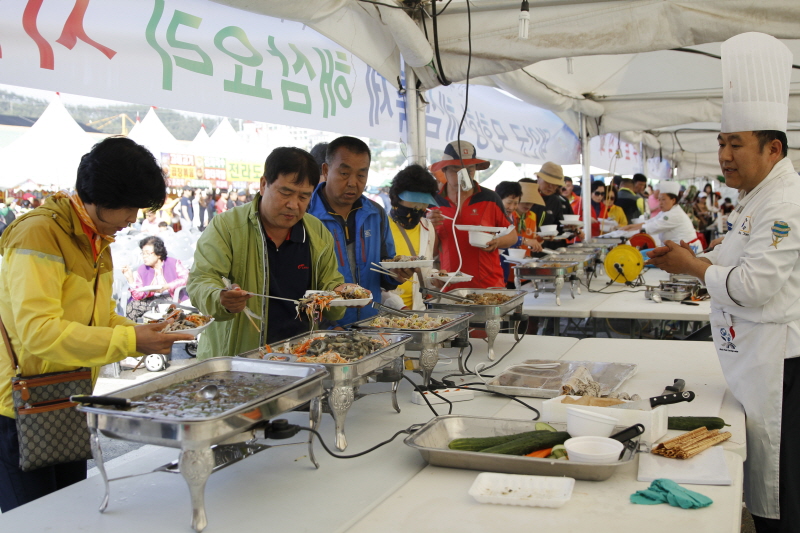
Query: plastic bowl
[582,423]
[593,449]
[516,253]
[549,228]
[571,218]
[479,239]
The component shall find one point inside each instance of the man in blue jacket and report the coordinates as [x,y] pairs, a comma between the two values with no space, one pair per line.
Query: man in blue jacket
[359,226]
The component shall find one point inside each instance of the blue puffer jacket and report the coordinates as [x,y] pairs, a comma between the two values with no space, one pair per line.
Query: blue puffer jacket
[374,242]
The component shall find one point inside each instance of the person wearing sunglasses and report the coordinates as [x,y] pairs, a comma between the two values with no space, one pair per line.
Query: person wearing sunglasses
[603,207]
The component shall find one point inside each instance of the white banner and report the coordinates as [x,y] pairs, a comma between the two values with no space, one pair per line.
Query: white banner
[619,157]
[195,55]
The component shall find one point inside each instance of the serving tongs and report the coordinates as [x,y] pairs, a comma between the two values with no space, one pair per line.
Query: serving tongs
[447,295]
[390,310]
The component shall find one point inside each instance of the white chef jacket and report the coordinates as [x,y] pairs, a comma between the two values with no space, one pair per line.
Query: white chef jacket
[751,276]
[754,283]
[673,225]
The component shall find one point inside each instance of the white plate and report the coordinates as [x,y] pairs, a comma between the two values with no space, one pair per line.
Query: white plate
[389,265]
[565,222]
[461,278]
[342,302]
[487,229]
[515,489]
[516,261]
[193,331]
[547,233]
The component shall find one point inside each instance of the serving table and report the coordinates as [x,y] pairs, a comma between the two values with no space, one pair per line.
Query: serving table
[391,488]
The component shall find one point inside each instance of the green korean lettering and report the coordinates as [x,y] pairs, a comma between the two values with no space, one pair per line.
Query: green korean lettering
[202,66]
[237,85]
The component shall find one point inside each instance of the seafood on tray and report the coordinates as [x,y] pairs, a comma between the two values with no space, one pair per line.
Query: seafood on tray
[183,320]
[487,298]
[331,349]
[411,322]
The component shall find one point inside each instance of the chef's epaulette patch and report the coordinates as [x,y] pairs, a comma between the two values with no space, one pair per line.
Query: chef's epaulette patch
[744,227]
[780,230]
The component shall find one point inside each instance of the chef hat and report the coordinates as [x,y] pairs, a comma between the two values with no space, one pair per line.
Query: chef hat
[756,71]
[669,187]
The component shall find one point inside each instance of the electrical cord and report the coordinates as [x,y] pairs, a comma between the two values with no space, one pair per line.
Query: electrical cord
[432,391]
[468,386]
[440,71]
[408,430]
[467,371]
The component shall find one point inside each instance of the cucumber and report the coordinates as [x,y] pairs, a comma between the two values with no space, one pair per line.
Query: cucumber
[526,445]
[559,452]
[542,426]
[476,444]
[688,423]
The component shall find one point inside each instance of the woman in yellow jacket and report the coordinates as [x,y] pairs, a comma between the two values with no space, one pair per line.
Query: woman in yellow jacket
[55,294]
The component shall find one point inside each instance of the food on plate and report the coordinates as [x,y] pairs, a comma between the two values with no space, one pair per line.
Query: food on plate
[182,320]
[412,322]
[688,423]
[314,304]
[354,292]
[331,349]
[487,298]
[690,444]
[404,258]
[581,383]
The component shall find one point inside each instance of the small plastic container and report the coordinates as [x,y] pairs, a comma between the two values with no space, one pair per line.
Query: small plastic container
[529,491]
[571,219]
[599,450]
[549,228]
[516,253]
[582,423]
[479,239]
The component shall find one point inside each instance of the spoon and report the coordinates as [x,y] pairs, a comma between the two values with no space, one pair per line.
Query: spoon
[656,298]
[209,392]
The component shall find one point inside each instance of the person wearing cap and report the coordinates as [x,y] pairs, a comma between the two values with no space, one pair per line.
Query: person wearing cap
[753,276]
[551,179]
[360,226]
[671,223]
[411,194]
[525,220]
[472,205]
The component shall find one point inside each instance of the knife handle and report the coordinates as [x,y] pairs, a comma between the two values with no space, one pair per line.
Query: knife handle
[628,433]
[685,396]
[101,400]
[677,386]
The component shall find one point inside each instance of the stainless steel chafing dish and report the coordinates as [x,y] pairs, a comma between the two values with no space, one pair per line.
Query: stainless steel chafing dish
[672,290]
[600,247]
[206,443]
[341,384]
[427,341]
[538,272]
[486,316]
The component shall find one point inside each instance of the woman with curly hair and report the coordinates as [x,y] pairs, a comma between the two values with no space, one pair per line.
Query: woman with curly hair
[162,276]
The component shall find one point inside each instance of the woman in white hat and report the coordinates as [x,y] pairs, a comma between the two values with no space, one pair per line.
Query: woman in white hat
[671,223]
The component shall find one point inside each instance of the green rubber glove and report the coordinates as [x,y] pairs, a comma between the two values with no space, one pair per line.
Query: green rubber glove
[667,491]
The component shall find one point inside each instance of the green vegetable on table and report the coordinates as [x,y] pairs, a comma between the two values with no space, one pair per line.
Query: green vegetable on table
[689,423]
[526,445]
[476,444]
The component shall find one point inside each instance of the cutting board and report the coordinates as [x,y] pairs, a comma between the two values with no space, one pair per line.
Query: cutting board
[707,401]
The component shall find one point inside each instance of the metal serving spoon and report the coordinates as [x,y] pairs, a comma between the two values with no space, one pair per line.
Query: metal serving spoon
[209,392]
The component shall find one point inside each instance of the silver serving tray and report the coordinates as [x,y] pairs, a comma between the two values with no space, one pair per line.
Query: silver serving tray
[481,313]
[345,372]
[671,294]
[546,382]
[432,439]
[198,432]
[545,268]
[425,338]
[584,258]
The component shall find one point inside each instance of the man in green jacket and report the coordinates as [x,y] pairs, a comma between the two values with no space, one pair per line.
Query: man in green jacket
[267,246]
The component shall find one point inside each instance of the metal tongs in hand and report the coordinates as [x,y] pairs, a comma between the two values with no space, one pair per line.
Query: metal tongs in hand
[250,314]
[390,310]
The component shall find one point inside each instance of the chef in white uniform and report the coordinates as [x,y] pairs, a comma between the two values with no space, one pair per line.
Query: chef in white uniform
[753,277]
[671,223]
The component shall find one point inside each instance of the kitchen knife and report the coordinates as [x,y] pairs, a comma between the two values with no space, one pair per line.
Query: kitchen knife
[655,401]
[677,386]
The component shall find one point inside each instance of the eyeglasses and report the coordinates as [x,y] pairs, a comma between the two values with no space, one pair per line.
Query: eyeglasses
[598,193]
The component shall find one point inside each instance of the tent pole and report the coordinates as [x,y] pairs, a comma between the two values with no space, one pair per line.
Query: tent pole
[586,180]
[412,116]
[422,129]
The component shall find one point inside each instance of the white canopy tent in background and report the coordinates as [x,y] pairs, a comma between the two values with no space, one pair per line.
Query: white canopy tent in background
[201,144]
[48,153]
[154,135]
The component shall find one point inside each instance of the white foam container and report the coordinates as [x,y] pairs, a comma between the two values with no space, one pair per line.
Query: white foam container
[654,422]
[529,491]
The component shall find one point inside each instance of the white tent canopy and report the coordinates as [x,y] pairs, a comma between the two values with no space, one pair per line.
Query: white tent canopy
[48,153]
[152,134]
[613,61]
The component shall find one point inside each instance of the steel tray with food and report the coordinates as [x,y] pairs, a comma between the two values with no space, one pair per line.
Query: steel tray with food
[444,326]
[540,378]
[542,269]
[207,442]
[432,441]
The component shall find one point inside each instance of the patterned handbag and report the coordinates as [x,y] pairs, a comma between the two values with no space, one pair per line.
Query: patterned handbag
[50,430]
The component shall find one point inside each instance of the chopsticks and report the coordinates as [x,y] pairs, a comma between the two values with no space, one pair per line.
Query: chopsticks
[380,270]
[273,297]
[443,216]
